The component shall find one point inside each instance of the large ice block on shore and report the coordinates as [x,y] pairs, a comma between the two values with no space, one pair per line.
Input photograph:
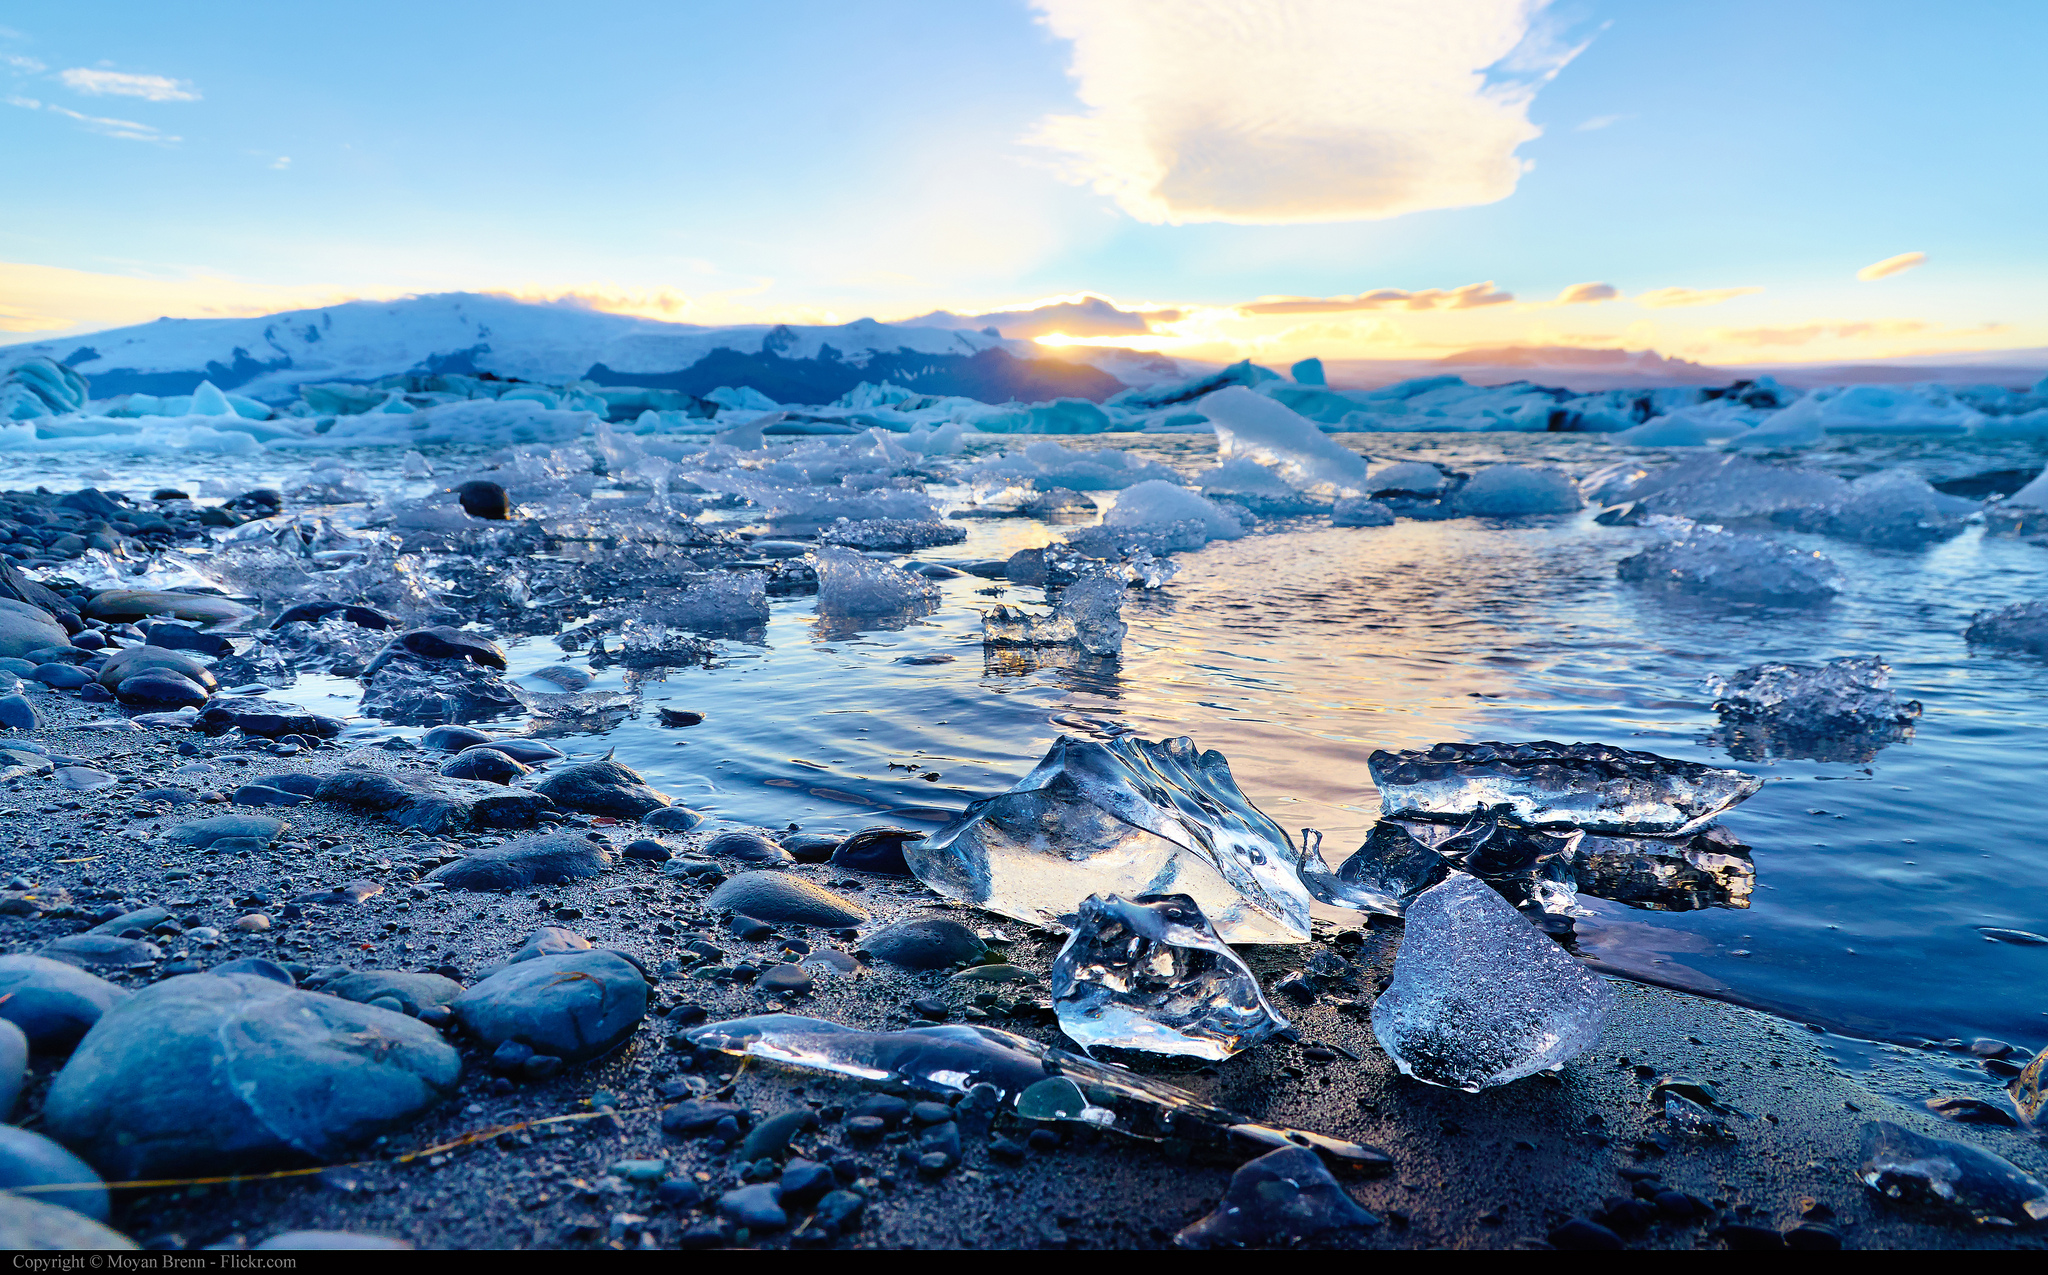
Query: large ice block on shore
[1150,973]
[1480,997]
[1253,427]
[1596,787]
[1128,817]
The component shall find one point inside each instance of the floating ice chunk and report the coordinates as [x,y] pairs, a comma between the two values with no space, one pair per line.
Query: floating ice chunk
[1358,511]
[1480,997]
[745,399]
[1033,1080]
[1714,487]
[1252,427]
[1892,508]
[1257,488]
[896,535]
[1144,540]
[1694,426]
[2023,626]
[1808,709]
[1513,491]
[1734,568]
[1709,869]
[1890,409]
[1596,787]
[1046,465]
[1129,817]
[417,466]
[1410,478]
[849,584]
[1531,869]
[1149,973]
[1089,615]
[1949,1176]
[1281,1196]
[719,602]
[1139,570]
[1155,503]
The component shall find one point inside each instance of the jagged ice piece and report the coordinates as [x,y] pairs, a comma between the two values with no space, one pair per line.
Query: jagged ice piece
[1596,787]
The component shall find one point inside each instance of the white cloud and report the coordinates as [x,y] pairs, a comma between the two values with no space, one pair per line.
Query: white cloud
[128,129]
[1890,266]
[150,88]
[1598,122]
[281,163]
[20,63]
[1470,297]
[1275,111]
[27,103]
[1588,294]
[1670,298]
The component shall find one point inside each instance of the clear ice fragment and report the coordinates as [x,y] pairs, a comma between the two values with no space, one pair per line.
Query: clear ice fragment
[1843,710]
[1384,875]
[1731,567]
[1036,1081]
[1950,1176]
[1089,615]
[2022,626]
[1281,1196]
[1709,869]
[849,584]
[1128,817]
[1596,787]
[1149,973]
[1480,997]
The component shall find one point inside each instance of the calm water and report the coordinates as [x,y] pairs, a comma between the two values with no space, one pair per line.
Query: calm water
[1298,651]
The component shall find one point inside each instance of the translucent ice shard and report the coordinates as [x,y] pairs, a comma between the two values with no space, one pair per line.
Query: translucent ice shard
[1386,873]
[1951,1176]
[1709,869]
[1596,787]
[1283,1195]
[1089,615]
[1532,870]
[1128,817]
[1480,997]
[1036,1081]
[1732,567]
[1843,710]
[1149,973]
[849,584]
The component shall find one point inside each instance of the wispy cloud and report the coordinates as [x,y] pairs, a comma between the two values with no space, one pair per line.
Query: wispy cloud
[1588,294]
[281,163]
[1890,266]
[1597,122]
[1470,297]
[1287,111]
[21,63]
[1806,333]
[150,88]
[1671,298]
[126,129]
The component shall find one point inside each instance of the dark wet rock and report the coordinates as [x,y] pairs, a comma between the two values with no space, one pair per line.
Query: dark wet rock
[265,795]
[183,637]
[138,919]
[303,785]
[484,763]
[453,739]
[680,717]
[313,612]
[541,860]
[600,788]
[254,715]
[160,690]
[757,1207]
[346,895]
[25,628]
[412,991]
[202,833]
[440,642]
[139,604]
[748,847]
[62,677]
[32,1160]
[749,929]
[482,499]
[784,980]
[16,713]
[14,1053]
[672,819]
[694,1115]
[804,1181]
[770,1137]
[1972,1111]
[527,752]
[875,850]
[1816,1237]
[1582,1234]
[931,1007]
[779,898]
[1949,1177]
[574,1006]
[228,1073]
[259,967]
[121,666]
[549,940]
[648,851]
[809,847]
[102,952]
[28,1225]
[1281,1196]
[433,806]
[925,943]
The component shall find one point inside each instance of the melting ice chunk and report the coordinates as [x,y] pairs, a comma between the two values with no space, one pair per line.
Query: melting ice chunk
[1596,787]
[1283,1195]
[1038,1082]
[1149,973]
[849,584]
[1128,817]
[1389,870]
[1709,869]
[1952,1176]
[1089,615]
[1735,568]
[1480,997]
[1256,428]
[2022,626]
[1838,711]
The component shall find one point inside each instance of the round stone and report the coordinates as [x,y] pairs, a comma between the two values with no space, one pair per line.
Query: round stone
[575,1006]
[781,897]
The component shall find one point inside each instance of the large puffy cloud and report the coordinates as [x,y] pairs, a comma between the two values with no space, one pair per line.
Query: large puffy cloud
[1273,111]
[1470,297]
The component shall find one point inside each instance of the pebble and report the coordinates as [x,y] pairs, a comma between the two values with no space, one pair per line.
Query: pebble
[925,943]
[543,860]
[28,1225]
[409,990]
[696,1115]
[648,850]
[259,967]
[770,1137]
[168,796]
[482,499]
[1972,1111]
[202,833]
[756,1207]
[30,1159]
[566,676]
[453,739]
[680,717]
[748,847]
[140,604]
[931,1007]
[483,762]
[1584,1234]
[63,677]
[173,1082]
[17,713]
[102,951]
[672,819]
[809,847]
[784,980]
[259,795]
[527,752]
[780,897]
[574,1006]
[804,1181]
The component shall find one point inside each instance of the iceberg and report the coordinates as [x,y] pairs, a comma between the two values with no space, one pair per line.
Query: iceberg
[41,387]
[1129,817]
[1150,973]
[1596,787]
[1480,997]
[1891,508]
[1731,567]
[1253,427]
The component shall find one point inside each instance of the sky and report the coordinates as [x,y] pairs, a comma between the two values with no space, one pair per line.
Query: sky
[1741,182]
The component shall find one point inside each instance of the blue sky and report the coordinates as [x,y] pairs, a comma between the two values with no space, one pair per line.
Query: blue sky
[726,162]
